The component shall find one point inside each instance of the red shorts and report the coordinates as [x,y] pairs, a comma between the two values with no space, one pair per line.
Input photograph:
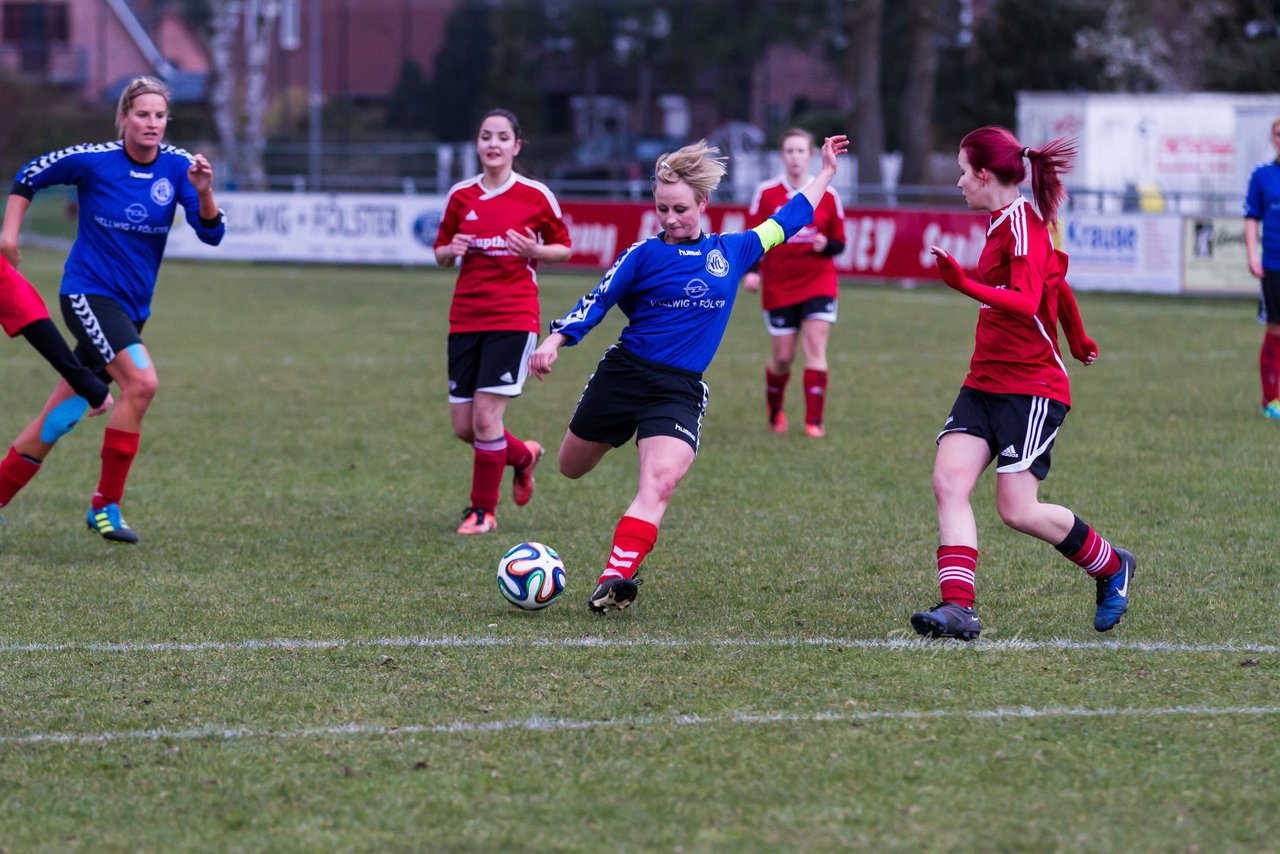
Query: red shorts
[20,303]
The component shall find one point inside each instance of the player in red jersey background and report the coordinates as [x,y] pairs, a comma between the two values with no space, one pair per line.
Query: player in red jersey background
[1017,394]
[501,225]
[797,284]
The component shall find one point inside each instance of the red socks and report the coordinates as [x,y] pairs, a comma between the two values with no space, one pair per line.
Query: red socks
[486,472]
[1269,368]
[1090,552]
[118,450]
[775,387]
[956,566]
[518,453]
[815,395]
[633,539]
[16,472]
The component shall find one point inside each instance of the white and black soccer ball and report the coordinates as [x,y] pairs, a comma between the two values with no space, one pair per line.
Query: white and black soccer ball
[531,576]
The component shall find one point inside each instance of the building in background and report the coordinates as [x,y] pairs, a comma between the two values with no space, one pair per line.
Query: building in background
[94,46]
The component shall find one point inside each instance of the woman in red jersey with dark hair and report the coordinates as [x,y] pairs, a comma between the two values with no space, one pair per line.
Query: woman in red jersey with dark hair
[501,225]
[1016,394]
[797,284]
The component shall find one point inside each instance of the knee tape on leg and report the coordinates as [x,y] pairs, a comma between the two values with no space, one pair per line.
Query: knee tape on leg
[62,418]
[138,354]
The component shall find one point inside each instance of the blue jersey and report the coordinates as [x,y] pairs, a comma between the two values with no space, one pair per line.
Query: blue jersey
[1262,202]
[126,209]
[678,296]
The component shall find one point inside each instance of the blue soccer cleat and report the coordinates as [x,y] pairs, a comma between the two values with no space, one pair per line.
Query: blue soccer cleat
[1113,594]
[947,620]
[110,524]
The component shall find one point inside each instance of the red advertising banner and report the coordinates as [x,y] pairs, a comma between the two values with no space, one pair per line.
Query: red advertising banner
[889,243]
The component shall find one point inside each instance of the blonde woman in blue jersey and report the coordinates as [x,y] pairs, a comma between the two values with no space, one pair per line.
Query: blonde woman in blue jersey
[128,192]
[677,290]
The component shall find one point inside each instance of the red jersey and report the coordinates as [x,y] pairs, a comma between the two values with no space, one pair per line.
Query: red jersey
[793,273]
[1014,354]
[20,304]
[496,290]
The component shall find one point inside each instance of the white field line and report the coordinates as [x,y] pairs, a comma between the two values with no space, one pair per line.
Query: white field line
[541,724]
[453,642]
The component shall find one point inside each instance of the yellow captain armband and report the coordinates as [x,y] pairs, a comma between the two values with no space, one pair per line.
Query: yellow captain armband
[770,234]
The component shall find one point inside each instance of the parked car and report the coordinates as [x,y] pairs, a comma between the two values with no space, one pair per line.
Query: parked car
[606,158]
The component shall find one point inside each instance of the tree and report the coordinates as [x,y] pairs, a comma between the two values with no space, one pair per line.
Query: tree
[239,109]
[408,108]
[460,88]
[1018,45]
[915,113]
[861,31]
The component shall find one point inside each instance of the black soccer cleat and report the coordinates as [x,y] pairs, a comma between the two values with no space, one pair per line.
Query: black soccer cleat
[616,592]
[947,620]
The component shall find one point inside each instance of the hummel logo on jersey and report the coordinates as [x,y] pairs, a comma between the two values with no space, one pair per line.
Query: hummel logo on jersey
[1009,452]
[471,216]
[133,174]
[695,252]
[506,377]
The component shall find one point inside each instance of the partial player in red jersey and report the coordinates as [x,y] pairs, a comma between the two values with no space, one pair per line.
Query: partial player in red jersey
[1017,394]
[23,312]
[501,225]
[797,284]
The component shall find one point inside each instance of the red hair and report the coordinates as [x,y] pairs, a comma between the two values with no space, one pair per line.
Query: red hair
[998,151]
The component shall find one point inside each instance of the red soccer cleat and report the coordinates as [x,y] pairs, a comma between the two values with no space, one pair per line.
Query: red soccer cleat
[522,485]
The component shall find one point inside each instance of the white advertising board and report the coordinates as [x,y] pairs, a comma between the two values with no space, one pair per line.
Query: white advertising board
[319,227]
[1123,252]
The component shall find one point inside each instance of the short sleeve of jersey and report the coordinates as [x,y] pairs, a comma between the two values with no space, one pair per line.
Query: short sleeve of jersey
[1254,205]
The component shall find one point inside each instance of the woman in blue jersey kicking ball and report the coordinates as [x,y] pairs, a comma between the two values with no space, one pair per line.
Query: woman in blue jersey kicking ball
[128,192]
[677,290]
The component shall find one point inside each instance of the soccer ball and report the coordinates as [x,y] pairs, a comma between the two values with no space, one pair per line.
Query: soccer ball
[531,576]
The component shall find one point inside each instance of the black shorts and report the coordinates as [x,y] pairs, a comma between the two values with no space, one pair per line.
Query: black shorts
[102,329]
[628,395]
[1018,428]
[492,362]
[1269,299]
[786,320]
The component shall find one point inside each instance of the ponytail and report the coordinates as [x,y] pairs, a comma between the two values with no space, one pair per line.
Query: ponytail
[998,151]
[1046,185]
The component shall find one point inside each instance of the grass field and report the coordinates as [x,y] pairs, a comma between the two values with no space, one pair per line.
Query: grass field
[302,656]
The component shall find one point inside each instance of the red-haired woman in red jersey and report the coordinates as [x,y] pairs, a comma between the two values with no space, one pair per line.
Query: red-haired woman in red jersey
[797,284]
[502,225]
[1016,394]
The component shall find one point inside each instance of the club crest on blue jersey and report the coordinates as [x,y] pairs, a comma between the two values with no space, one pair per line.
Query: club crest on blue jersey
[162,192]
[717,264]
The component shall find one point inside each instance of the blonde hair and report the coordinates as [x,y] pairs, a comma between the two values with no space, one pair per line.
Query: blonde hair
[699,165]
[137,87]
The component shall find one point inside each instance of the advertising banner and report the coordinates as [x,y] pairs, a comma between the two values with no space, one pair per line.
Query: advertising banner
[1108,252]
[1214,256]
[1123,252]
[319,227]
[889,243]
